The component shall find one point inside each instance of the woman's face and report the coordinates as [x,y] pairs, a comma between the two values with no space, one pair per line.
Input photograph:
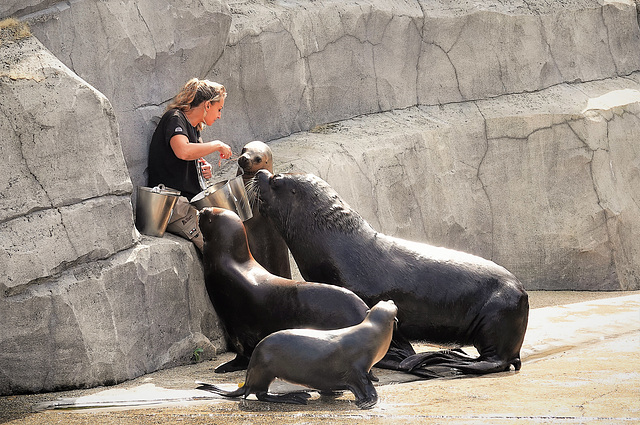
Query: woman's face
[213,111]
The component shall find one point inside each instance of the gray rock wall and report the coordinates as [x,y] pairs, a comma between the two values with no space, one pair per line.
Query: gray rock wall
[62,168]
[108,321]
[83,300]
[290,67]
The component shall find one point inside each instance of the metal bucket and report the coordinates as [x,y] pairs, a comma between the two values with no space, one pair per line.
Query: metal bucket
[153,209]
[229,194]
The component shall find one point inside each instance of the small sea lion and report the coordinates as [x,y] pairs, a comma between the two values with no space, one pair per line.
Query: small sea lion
[444,296]
[329,361]
[265,243]
[253,303]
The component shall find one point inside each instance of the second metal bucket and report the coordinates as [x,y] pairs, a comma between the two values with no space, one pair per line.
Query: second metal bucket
[229,194]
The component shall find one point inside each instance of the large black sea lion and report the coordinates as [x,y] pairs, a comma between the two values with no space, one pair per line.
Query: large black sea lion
[443,296]
[329,361]
[265,243]
[253,303]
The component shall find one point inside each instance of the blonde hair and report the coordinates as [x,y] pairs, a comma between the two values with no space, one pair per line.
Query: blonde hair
[195,92]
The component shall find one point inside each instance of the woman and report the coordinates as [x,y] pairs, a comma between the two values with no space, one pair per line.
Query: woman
[176,150]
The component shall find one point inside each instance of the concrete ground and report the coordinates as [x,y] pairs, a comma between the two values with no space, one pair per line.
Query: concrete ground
[580,365]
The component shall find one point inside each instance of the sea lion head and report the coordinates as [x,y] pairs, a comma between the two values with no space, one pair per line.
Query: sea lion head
[223,233]
[255,156]
[306,201]
[384,313]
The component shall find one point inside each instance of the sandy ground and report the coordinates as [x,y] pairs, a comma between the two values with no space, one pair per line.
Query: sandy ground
[580,365]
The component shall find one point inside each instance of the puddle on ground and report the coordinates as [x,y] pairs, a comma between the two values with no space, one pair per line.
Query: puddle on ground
[145,395]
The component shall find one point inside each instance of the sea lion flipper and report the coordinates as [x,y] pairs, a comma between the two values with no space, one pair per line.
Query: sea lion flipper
[447,358]
[366,397]
[425,364]
[238,363]
[299,397]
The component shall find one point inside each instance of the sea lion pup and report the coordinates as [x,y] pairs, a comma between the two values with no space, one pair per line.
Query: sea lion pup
[265,243]
[328,361]
[253,303]
[443,296]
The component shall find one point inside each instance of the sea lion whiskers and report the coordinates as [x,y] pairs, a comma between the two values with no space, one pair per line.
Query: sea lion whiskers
[252,189]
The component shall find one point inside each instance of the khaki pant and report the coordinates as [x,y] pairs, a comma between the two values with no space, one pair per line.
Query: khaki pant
[184,222]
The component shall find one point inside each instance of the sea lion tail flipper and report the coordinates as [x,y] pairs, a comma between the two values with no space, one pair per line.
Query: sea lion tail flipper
[299,397]
[217,390]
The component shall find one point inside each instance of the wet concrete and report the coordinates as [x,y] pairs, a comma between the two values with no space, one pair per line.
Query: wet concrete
[580,365]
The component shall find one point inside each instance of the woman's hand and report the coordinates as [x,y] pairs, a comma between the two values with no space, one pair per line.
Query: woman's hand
[205,167]
[224,149]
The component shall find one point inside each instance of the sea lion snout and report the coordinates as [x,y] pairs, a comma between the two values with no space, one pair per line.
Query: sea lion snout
[219,225]
[384,311]
[243,161]
[387,305]
[263,177]
[215,213]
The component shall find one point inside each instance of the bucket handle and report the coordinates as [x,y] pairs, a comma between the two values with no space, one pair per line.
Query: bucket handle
[159,188]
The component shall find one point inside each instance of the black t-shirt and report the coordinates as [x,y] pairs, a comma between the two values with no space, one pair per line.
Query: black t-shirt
[164,166]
